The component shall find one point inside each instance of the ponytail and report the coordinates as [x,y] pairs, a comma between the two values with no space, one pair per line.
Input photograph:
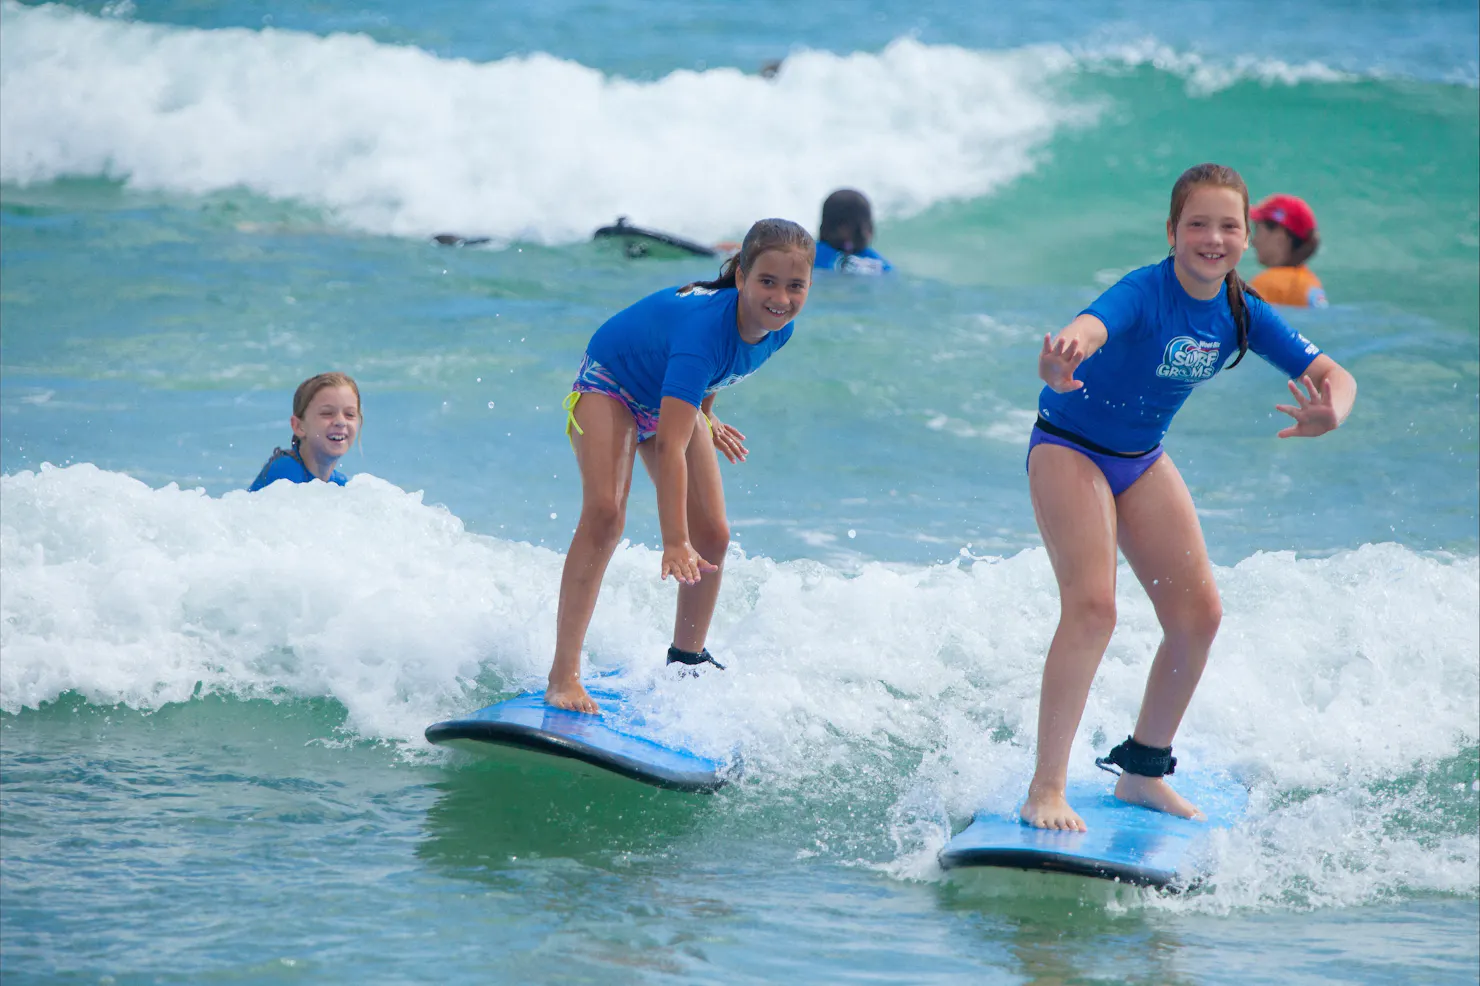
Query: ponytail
[726,277]
[1238,307]
[767,234]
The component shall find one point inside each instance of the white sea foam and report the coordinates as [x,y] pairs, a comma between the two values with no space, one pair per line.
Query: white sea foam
[1329,674]
[393,139]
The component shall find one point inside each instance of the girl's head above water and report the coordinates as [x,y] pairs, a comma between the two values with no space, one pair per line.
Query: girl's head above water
[847,221]
[326,416]
[1285,234]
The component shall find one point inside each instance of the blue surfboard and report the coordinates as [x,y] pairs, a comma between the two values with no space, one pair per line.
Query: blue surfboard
[615,740]
[1125,843]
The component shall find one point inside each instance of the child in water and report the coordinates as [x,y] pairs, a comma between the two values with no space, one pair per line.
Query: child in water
[325,423]
[1115,376]
[1285,238]
[652,371]
[845,233]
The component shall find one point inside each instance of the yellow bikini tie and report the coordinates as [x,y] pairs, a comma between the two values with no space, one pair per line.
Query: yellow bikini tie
[570,414]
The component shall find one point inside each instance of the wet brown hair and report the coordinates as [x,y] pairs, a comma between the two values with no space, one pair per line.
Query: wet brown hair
[1219,176]
[847,221]
[767,234]
[1300,250]
[309,389]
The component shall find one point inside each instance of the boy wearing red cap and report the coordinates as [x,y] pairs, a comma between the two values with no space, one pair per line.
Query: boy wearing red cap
[1285,238]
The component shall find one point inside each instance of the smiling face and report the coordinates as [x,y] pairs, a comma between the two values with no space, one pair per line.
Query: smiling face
[1208,238]
[329,425]
[772,292]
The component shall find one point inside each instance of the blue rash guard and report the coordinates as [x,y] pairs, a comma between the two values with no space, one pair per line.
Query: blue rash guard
[865,261]
[286,464]
[683,344]
[1161,343]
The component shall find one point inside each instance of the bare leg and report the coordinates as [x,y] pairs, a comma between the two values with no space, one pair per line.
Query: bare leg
[604,454]
[1162,539]
[1076,516]
[709,533]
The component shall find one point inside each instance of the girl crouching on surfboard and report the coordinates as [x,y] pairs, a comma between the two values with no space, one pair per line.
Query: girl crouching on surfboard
[652,372]
[1098,475]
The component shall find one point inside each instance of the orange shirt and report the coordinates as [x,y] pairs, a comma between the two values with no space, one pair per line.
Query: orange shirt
[1290,286]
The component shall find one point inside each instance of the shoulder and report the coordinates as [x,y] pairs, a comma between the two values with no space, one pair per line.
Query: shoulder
[1151,280]
[695,295]
[1122,301]
[1262,312]
[697,305]
[1268,325]
[338,478]
[282,464]
[827,255]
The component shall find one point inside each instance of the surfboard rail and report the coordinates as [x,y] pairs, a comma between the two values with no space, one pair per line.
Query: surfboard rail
[539,741]
[1053,862]
[608,740]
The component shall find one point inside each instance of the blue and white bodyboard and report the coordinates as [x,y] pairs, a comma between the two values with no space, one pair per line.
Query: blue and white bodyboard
[615,740]
[1125,843]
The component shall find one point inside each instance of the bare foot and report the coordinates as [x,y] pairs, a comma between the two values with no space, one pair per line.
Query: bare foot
[570,695]
[1050,810]
[1155,793]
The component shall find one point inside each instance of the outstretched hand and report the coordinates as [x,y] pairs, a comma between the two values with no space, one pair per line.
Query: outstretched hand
[1057,363]
[1313,411]
[728,440]
[683,563]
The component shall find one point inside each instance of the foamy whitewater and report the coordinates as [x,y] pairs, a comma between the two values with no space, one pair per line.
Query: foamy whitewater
[1327,672]
[378,135]
[212,703]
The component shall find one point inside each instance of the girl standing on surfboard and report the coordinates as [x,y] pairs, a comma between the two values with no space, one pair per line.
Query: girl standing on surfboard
[1115,377]
[654,370]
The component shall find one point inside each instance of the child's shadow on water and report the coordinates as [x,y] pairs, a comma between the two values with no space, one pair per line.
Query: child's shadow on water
[491,817]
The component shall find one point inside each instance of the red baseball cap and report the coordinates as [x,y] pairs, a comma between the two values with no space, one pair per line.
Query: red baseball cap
[1289,212]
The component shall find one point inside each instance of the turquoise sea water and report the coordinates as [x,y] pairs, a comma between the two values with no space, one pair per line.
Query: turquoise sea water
[211,704]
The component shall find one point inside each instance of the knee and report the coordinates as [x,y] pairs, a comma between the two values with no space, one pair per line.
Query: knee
[1093,613]
[711,538]
[1198,616]
[603,520]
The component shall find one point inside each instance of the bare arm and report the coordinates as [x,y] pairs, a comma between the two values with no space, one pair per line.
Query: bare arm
[1330,392]
[671,477]
[727,438]
[1060,357]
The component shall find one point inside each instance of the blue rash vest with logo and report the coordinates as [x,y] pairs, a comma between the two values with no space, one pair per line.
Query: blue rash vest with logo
[865,261]
[284,464]
[1161,343]
[677,343]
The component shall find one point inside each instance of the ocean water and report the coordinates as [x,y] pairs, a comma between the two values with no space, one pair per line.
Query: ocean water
[211,704]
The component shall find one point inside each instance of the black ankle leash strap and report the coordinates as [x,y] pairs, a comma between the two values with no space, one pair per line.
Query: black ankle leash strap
[676,656]
[1138,758]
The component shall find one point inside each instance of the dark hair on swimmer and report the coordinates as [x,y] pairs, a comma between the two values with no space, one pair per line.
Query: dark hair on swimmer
[1302,250]
[309,389]
[1220,176]
[847,221]
[768,234]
